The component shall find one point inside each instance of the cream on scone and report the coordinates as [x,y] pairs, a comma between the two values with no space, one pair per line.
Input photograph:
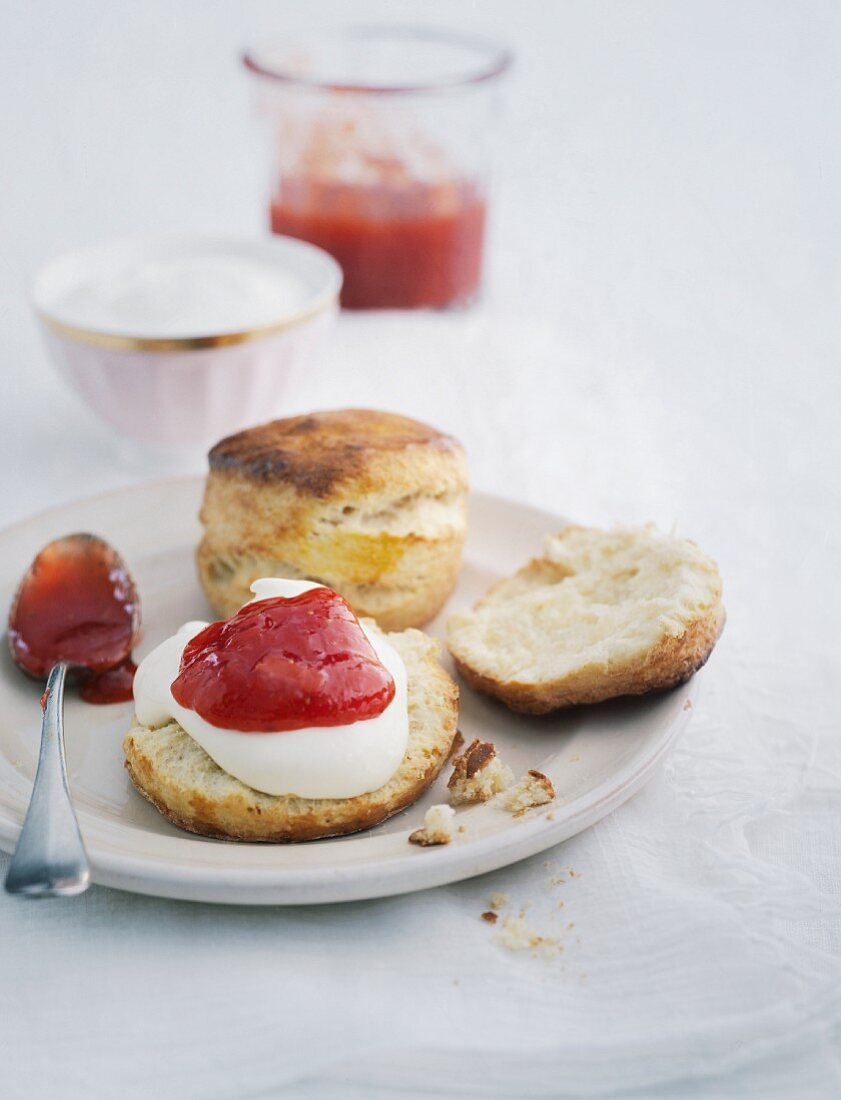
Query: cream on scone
[303,782]
[600,615]
[369,503]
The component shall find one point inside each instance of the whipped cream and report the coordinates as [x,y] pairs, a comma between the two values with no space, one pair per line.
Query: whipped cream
[182,296]
[317,762]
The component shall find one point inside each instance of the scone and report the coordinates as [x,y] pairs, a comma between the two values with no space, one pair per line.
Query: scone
[175,774]
[601,614]
[369,503]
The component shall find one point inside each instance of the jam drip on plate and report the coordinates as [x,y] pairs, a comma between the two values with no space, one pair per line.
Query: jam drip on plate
[284,664]
[114,685]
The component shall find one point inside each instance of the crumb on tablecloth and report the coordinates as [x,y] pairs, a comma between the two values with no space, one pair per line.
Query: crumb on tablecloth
[515,935]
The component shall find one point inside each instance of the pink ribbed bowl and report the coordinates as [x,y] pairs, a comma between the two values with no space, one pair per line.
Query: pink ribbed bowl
[194,387]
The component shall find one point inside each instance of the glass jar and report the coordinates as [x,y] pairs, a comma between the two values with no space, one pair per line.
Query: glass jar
[380,154]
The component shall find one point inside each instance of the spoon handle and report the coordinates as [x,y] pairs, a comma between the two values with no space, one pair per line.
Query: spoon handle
[50,859]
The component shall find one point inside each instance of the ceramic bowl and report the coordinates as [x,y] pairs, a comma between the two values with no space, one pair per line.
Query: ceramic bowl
[187,387]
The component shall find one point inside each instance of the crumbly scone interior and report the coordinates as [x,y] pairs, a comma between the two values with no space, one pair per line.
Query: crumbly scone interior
[393,559]
[590,601]
[430,515]
[331,540]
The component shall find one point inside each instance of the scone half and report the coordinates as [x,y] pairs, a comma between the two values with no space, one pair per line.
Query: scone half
[601,615]
[178,777]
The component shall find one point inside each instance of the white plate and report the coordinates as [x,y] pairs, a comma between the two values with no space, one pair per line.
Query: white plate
[597,757]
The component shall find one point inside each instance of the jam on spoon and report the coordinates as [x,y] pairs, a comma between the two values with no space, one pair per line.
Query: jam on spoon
[77,605]
[76,609]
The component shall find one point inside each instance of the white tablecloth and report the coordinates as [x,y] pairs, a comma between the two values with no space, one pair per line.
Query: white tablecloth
[659,341]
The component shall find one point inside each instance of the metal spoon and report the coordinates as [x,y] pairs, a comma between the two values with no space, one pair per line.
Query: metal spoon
[83,584]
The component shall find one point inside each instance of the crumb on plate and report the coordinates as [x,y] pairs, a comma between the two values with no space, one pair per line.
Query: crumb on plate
[458,741]
[534,789]
[436,828]
[478,774]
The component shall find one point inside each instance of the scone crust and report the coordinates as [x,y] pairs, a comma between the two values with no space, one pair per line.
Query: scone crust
[664,665]
[176,775]
[370,503]
[320,451]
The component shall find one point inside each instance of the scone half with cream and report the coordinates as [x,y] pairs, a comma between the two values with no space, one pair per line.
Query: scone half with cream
[290,721]
[369,503]
[600,615]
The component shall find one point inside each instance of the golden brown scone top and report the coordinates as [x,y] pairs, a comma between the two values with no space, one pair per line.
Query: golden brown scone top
[315,452]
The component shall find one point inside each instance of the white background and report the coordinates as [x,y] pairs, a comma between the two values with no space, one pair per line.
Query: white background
[659,340]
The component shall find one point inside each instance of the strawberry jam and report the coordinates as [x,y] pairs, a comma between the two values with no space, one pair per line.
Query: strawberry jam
[407,247]
[113,685]
[77,604]
[284,664]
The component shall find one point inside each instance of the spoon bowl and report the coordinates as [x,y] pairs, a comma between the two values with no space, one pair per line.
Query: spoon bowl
[77,604]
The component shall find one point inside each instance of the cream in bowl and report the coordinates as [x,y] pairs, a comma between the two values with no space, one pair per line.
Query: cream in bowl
[179,340]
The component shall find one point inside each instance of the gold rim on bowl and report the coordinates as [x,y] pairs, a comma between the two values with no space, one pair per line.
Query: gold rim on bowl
[117,342]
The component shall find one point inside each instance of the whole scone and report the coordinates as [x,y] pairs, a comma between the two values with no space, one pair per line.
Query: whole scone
[178,777]
[369,503]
